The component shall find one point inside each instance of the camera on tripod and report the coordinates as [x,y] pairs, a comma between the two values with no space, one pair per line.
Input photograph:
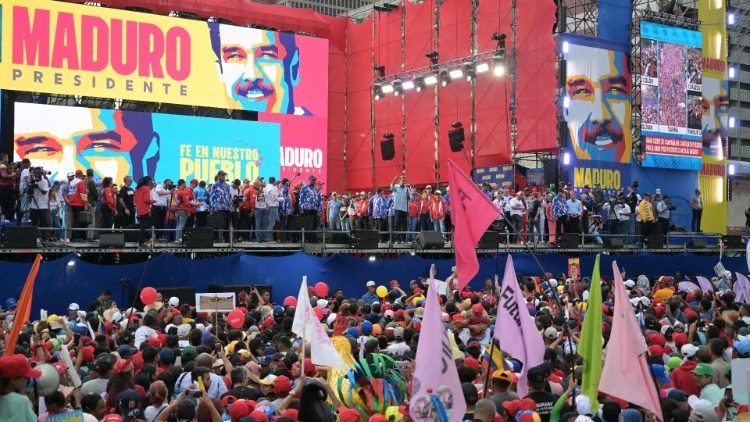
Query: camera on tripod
[35,176]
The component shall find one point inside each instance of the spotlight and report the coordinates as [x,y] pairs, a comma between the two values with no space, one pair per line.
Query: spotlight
[500,38]
[372,258]
[565,46]
[398,88]
[730,19]
[483,67]
[732,72]
[387,89]
[407,85]
[433,56]
[731,169]
[732,122]
[469,71]
[499,69]
[430,80]
[377,91]
[566,159]
[445,78]
[456,73]
[380,71]
[420,83]
[566,101]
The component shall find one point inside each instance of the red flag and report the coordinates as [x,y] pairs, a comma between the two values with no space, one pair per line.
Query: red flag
[23,310]
[472,212]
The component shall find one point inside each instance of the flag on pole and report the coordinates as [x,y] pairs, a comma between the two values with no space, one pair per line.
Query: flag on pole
[626,374]
[515,329]
[705,284]
[492,358]
[436,392]
[590,343]
[23,309]
[307,326]
[471,214]
[742,289]
[687,286]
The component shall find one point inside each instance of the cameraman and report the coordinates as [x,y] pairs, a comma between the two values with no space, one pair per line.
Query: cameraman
[23,181]
[664,210]
[38,195]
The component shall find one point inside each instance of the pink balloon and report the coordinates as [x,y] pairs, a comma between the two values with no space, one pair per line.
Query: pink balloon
[318,313]
[321,289]
[148,295]
[236,318]
[290,301]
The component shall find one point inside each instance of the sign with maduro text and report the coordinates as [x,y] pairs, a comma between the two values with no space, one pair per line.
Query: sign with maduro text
[72,49]
[214,302]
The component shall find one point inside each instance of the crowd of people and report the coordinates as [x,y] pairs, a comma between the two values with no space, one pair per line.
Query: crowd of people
[275,210]
[168,362]
[672,86]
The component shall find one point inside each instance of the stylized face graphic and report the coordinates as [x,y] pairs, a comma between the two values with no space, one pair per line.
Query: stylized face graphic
[598,116]
[111,142]
[715,116]
[259,69]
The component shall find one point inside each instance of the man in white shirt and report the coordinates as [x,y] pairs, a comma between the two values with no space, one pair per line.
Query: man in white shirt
[271,192]
[39,206]
[622,211]
[23,182]
[517,208]
[162,195]
[145,332]
[399,347]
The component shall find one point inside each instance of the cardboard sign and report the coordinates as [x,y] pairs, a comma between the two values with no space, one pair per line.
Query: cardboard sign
[214,302]
[574,268]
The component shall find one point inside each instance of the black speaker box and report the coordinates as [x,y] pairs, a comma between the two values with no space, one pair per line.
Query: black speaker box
[20,237]
[699,243]
[112,239]
[198,238]
[570,241]
[656,241]
[489,240]
[237,288]
[214,220]
[733,242]
[132,235]
[429,240]
[307,222]
[614,242]
[365,239]
[387,149]
[185,294]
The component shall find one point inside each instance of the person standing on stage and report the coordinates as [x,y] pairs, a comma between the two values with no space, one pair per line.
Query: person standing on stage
[220,203]
[143,202]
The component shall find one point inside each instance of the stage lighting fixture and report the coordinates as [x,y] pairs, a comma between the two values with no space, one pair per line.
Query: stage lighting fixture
[732,72]
[387,89]
[419,83]
[469,71]
[565,46]
[398,88]
[730,19]
[566,158]
[372,258]
[377,91]
[499,69]
[500,38]
[732,122]
[483,67]
[379,71]
[445,78]
[566,101]
[430,80]
[731,169]
[456,73]
[407,85]
[433,56]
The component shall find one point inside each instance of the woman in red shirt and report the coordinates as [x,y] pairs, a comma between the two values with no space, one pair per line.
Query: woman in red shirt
[184,205]
[143,202]
[108,203]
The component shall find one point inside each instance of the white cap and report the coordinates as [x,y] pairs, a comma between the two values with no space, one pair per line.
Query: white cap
[173,301]
[71,174]
[200,327]
[657,191]
[370,283]
[553,282]
[331,318]
[551,333]
[646,301]
[629,283]
[322,303]
[73,307]
[438,192]
[183,330]
[116,317]
[428,186]
[688,350]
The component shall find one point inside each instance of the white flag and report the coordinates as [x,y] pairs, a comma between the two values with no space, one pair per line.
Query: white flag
[307,326]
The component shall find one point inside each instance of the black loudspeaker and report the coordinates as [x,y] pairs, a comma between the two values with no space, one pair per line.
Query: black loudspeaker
[550,169]
[237,288]
[20,237]
[307,222]
[456,139]
[387,149]
[365,239]
[699,243]
[489,240]
[185,294]
[132,235]
[112,239]
[656,241]
[614,243]
[733,242]
[429,240]
[294,226]
[198,238]
[570,241]
[214,220]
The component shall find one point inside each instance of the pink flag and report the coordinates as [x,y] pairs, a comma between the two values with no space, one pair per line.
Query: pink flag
[705,284]
[436,393]
[515,329]
[626,374]
[472,212]
[742,289]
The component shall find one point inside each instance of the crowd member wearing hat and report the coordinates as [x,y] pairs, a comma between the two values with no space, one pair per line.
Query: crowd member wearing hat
[143,201]
[704,374]
[683,376]
[502,379]
[311,200]
[538,391]
[370,297]
[15,372]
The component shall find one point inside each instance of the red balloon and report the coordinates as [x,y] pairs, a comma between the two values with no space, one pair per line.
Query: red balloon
[148,295]
[318,313]
[321,289]
[235,318]
[290,301]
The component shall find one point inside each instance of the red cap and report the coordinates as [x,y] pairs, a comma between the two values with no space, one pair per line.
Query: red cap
[123,365]
[680,339]
[154,342]
[655,338]
[471,363]
[79,172]
[60,367]
[399,314]
[268,322]
[238,410]
[12,366]
[477,309]
[655,350]
[194,181]
[348,415]
[259,416]
[88,354]
[113,417]
[457,317]
[292,414]
[309,368]
[282,385]
[378,418]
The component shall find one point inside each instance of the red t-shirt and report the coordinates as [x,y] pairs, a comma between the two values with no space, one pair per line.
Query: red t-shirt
[143,201]
[185,196]
[77,193]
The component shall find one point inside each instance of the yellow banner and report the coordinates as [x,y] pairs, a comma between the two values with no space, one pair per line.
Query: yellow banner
[72,49]
[712,178]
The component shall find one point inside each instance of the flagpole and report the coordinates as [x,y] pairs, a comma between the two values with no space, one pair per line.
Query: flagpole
[523,242]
